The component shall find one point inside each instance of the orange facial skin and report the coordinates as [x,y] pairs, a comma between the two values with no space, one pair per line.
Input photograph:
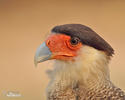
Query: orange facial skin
[61,48]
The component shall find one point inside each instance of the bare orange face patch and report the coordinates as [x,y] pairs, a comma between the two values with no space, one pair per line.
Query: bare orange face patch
[61,47]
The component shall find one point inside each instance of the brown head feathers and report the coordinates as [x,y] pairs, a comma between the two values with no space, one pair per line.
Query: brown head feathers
[86,35]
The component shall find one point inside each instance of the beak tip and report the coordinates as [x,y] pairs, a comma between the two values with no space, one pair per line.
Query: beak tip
[35,62]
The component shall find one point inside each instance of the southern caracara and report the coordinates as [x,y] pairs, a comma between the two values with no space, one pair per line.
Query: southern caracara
[81,69]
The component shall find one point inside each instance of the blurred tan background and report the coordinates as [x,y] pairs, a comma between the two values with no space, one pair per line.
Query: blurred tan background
[24,25]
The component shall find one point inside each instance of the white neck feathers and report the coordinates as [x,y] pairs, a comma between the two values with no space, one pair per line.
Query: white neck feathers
[90,67]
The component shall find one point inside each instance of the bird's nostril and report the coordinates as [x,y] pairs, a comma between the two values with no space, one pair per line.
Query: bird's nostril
[48,42]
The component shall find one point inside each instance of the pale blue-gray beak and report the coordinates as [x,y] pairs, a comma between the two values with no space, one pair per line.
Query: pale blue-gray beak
[42,54]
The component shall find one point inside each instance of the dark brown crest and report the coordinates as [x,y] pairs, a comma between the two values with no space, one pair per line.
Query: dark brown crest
[86,35]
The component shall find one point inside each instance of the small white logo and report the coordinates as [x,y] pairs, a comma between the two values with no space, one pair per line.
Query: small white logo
[12,94]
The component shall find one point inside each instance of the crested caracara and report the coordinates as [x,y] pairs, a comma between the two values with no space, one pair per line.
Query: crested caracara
[81,69]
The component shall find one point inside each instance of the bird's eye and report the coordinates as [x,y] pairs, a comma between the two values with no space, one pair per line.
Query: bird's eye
[74,41]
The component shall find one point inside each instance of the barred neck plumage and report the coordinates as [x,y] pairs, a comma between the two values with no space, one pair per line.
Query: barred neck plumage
[88,77]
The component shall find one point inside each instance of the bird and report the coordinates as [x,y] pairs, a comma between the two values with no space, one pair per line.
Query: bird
[81,64]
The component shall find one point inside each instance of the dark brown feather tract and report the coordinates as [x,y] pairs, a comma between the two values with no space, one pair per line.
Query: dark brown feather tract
[86,35]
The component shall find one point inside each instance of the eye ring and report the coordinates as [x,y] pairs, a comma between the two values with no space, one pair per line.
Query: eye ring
[74,40]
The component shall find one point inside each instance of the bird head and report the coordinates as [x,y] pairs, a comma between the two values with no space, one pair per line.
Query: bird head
[67,42]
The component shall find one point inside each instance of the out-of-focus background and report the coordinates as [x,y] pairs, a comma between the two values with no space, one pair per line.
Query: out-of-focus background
[24,25]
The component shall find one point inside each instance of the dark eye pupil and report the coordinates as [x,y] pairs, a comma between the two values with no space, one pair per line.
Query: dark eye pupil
[74,41]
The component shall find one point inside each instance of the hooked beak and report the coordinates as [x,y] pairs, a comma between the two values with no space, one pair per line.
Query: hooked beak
[42,54]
